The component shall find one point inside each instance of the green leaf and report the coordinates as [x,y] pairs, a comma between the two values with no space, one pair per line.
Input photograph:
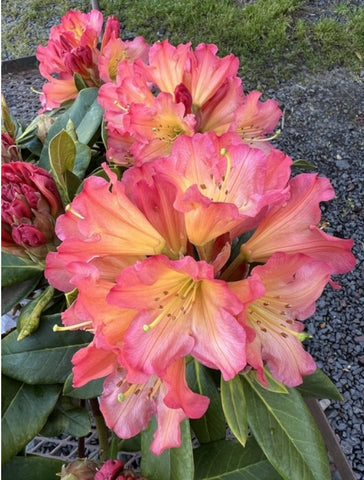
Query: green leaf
[14,294]
[286,432]
[303,164]
[228,460]
[79,81]
[92,389]
[16,270]
[212,425]
[44,357]
[174,463]
[62,154]
[273,384]
[73,421]
[85,113]
[318,385]
[25,409]
[32,468]
[234,406]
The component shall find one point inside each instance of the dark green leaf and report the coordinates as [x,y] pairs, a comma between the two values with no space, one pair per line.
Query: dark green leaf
[228,460]
[212,425]
[79,82]
[32,468]
[12,295]
[92,389]
[303,164]
[16,270]
[130,444]
[234,406]
[25,409]
[318,385]
[286,432]
[175,463]
[73,421]
[273,384]
[44,357]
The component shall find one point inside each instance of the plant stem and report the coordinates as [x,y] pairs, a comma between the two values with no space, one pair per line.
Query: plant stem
[102,430]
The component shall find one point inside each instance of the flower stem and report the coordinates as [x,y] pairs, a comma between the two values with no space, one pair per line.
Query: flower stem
[102,430]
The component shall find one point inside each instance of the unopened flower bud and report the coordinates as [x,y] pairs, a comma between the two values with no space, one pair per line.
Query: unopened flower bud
[30,205]
[111,469]
[81,469]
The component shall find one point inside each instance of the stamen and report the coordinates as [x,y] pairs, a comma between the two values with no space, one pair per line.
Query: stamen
[124,395]
[172,307]
[57,328]
[120,106]
[76,214]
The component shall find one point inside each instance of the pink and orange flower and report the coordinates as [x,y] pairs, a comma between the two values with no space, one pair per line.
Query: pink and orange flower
[151,258]
[73,49]
[204,249]
[195,91]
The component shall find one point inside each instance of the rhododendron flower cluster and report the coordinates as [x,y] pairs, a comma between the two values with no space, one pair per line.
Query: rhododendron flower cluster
[180,91]
[151,256]
[205,249]
[72,60]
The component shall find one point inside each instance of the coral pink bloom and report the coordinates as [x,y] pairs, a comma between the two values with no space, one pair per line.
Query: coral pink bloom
[157,127]
[200,70]
[72,48]
[114,50]
[292,228]
[207,72]
[182,310]
[91,311]
[101,223]
[223,189]
[254,119]
[218,113]
[292,284]
[128,407]
[154,194]
[76,29]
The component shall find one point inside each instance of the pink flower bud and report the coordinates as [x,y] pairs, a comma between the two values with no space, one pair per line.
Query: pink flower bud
[30,205]
[110,470]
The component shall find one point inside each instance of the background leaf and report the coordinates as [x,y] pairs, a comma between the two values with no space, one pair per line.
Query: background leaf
[173,464]
[32,468]
[212,426]
[25,409]
[229,460]
[286,432]
[318,385]
[12,295]
[92,389]
[74,421]
[16,270]
[44,357]
[234,406]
